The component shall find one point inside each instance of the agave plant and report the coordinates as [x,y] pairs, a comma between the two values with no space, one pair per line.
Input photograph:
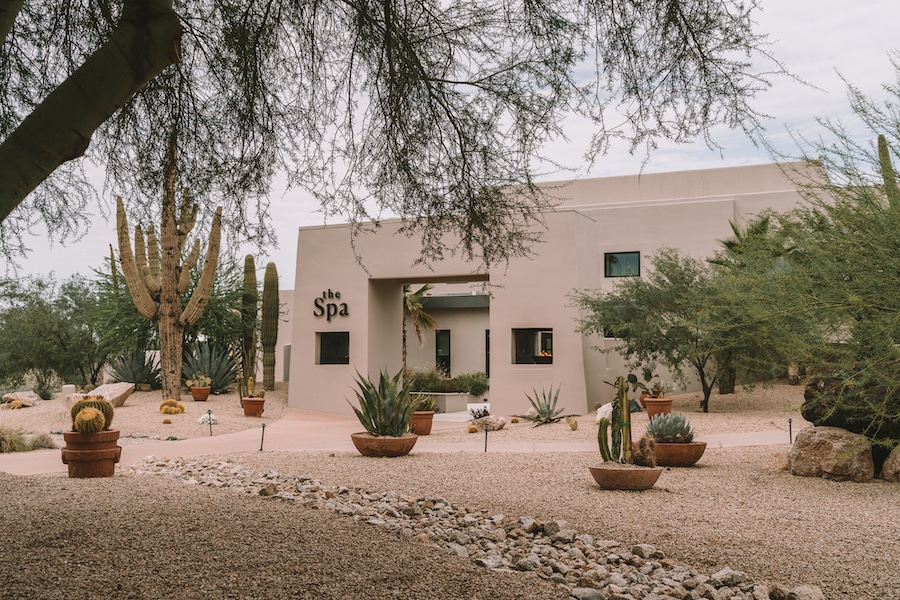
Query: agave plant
[544,407]
[137,367]
[213,361]
[386,408]
[670,428]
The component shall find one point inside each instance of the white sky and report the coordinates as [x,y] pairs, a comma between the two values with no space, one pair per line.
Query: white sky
[815,39]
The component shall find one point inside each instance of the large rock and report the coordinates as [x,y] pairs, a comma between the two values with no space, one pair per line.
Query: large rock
[890,471]
[24,398]
[832,453]
[116,393]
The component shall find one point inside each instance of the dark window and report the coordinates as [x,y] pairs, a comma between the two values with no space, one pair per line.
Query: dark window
[533,346]
[622,264]
[442,350]
[334,347]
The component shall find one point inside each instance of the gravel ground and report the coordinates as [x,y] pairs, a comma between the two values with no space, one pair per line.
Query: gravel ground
[135,536]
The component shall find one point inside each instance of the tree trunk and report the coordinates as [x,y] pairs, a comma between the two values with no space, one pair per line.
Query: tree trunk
[727,378]
[171,334]
[146,40]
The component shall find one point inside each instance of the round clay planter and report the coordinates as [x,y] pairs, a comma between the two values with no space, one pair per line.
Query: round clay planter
[200,394]
[421,422]
[253,407]
[678,455]
[657,406]
[618,476]
[383,445]
[91,454]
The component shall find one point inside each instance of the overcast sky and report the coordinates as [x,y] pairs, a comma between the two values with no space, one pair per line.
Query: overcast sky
[815,39]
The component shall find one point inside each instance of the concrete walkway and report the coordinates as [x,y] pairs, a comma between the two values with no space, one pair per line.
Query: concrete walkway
[307,431]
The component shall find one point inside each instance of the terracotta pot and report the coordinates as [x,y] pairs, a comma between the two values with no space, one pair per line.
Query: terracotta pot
[253,407]
[421,422]
[383,445]
[91,454]
[200,394]
[618,476]
[657,406]
[679,455]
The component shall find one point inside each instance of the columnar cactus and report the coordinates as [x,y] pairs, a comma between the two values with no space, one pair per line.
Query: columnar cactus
[155,278]
[249,316]
[269,325]
[891,189]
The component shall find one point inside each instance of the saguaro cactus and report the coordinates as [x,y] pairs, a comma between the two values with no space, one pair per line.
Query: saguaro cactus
[891,189]
[269,326]
[249,316]
[156,278]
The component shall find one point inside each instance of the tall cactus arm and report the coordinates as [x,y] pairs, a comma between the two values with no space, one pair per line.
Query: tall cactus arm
[140,295]
[154,271]
[269,325]
[187,217]
[200,297]
[184,279]
[888,174]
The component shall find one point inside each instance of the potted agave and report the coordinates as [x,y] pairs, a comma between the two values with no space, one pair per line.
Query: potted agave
[385,411]
[655,396]
[91,449]
[674,441]
[423,417]
[625,466]
[200,386]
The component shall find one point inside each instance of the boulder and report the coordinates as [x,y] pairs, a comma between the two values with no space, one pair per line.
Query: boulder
[832,453]
[890,471]
[116,393]
[491,423]
[24,398]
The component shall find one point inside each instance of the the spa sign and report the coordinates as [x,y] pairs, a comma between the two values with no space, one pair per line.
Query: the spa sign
[328,305]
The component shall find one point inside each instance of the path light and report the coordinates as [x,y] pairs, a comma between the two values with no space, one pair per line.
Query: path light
[261,439]
[790,433]
[485,436]
[209,418]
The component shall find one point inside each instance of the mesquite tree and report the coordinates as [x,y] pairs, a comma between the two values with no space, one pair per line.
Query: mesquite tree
[424,110]
[157,278]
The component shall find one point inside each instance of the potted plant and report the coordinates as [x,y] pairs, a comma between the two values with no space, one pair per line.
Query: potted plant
[654,393]
[91,449]
[423,416]
[625,467]
[674,441]
[385,411]
[254,402]
[200,386]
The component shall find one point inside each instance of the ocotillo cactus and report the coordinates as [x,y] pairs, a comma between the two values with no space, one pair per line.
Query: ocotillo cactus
[249,316]
[269,325]
[155,278]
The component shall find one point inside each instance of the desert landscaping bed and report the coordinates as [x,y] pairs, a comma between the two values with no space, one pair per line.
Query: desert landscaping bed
[138,536]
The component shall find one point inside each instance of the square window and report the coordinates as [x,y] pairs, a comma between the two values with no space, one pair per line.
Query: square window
[533,346]
[333,347]
[622,264]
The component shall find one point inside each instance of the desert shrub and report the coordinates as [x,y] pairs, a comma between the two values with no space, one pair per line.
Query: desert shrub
[475,383]
[432,379]
[14,440]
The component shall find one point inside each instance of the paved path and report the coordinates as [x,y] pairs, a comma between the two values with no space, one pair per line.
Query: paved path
[307,431]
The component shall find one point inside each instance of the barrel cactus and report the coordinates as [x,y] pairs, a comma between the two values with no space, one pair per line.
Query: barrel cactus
[670,428]
[98,403]
[89,420]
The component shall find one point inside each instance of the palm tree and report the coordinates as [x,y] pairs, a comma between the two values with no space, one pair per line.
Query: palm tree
[412,309]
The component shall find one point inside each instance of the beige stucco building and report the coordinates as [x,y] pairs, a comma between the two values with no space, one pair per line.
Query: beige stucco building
[515,321]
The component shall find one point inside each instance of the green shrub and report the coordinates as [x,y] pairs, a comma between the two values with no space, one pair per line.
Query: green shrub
[432,379]
[212,360]
[476,383]
[137,367]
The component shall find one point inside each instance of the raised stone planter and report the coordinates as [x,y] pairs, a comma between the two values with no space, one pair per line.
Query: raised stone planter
[447,402]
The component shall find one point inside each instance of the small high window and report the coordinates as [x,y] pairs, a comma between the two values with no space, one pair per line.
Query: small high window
[533,346]
[333,348]
[622,264]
